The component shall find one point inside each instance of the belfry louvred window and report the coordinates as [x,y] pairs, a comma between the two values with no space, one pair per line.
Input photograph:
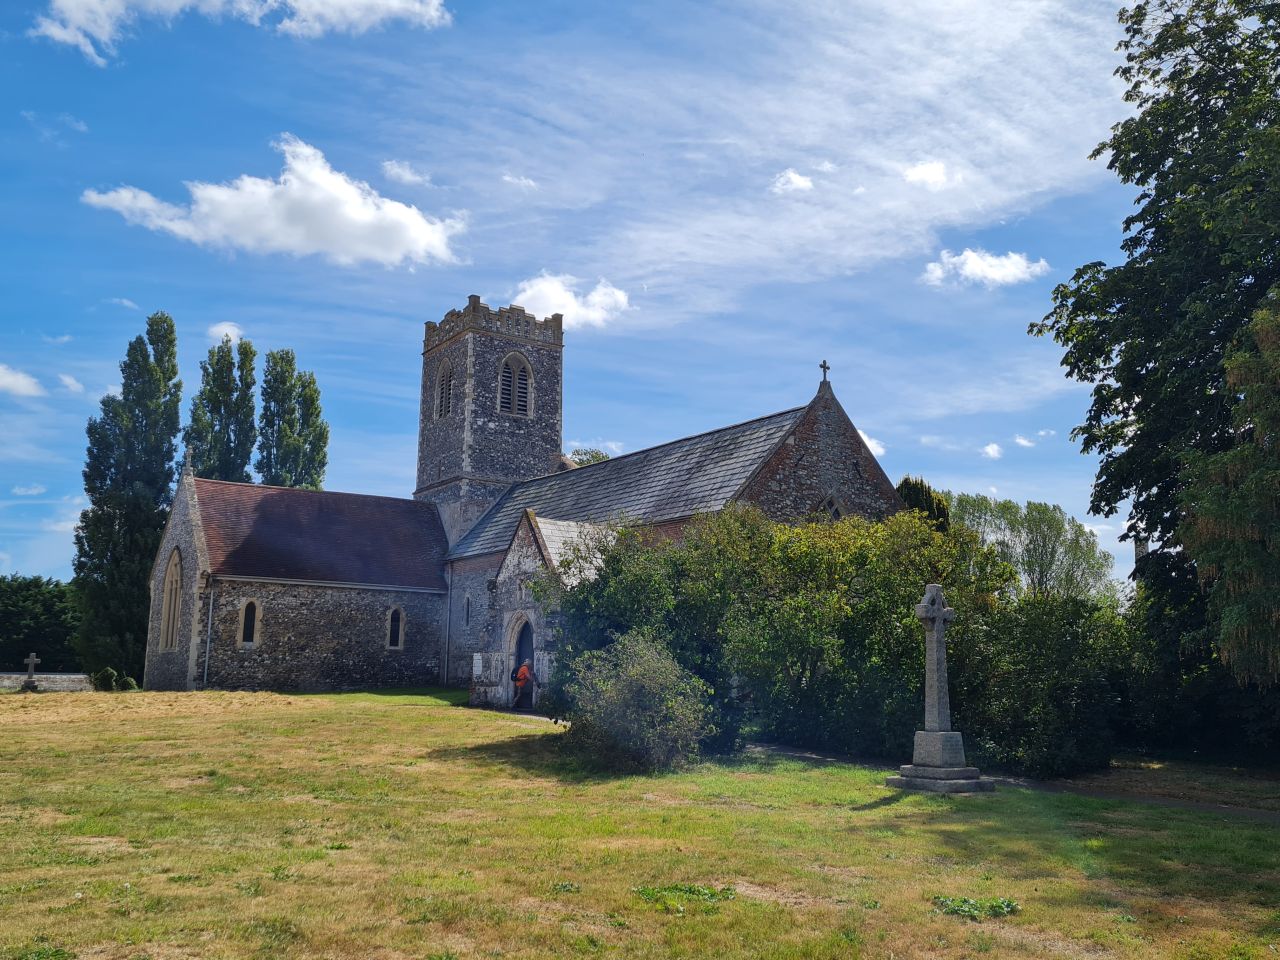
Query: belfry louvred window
[515,387]
[444,392]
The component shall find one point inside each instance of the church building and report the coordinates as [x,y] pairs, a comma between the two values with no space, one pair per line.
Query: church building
[258,587]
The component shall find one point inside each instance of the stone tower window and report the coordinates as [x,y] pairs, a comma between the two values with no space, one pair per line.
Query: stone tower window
[515,387]
[395,629]
[444,391]
[171,605]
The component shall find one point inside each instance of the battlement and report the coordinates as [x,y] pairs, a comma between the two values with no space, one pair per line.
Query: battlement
[512,321]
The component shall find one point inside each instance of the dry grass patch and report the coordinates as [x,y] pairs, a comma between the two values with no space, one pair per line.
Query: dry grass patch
[398,825]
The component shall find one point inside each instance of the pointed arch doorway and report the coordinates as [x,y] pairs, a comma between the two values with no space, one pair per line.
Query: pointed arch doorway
[524,651]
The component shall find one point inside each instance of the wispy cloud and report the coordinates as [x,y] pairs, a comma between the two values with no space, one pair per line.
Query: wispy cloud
[979,266]
[992,451]
[51,131]
[549,293]
[524,183]
[18,383]
[789,181]
[123,302]
[70,383]
[60,339]
[31,490]
[95,27]
[1022,441]
[403,172]
[1046,433]
[311,210]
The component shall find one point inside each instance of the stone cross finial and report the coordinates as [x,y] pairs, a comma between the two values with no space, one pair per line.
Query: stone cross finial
[824,367]
[935,614]
[31,662]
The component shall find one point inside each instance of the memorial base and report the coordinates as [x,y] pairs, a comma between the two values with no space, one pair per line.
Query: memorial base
[938,766]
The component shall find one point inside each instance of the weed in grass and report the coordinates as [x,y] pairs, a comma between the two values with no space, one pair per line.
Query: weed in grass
[282,873]
[673,897]
[44,953]
[566,886]
[273,933]
[972,909]
[250,888]
[869,904]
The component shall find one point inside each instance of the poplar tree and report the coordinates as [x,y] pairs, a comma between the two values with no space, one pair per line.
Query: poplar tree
[221,433]
[128,480]
[293,436]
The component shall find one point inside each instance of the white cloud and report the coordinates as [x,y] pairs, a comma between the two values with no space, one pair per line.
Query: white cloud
[95,27]
[61,339]
[875,446]
[34,490]
[548,293]
[65,524]
[1022,441]
[789,181]
[123,302]
[403,172]
[825,166]
[979,266]
[18,383]
[225,329]
[931,174]
[71,383]
[311,209]
[524,183]
[993,489]
[992,451]
[1046,433]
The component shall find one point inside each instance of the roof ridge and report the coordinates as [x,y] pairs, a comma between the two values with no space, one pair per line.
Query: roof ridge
[333,493]
[666,443]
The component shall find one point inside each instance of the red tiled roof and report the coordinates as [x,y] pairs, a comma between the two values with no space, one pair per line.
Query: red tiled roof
[283,533]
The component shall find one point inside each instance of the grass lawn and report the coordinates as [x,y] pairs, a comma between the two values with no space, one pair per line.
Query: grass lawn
[398,825]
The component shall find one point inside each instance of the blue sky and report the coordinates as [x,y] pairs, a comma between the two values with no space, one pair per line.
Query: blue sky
[717,196]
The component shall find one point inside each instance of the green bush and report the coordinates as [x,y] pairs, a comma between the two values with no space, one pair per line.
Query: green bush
[634,705]
[104,680]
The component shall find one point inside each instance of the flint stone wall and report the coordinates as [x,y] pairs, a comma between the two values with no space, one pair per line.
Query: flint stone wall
[172,669]
[322,638]
[824,456]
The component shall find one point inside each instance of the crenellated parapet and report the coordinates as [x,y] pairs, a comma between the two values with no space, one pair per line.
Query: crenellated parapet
[511,321]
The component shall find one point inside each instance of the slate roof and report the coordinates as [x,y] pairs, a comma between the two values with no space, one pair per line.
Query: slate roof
[698,474]
[252,530]
[561,536]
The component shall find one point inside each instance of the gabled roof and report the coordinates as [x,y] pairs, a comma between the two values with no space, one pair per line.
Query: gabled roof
[283,533]
[557,539]
[698,474]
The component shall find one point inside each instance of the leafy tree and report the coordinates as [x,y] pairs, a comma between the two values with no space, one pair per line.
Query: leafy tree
[221,434]
[1053,553]
[918,495]
[583,456]
[1202,147]
[128,479]
[293,436]
[40,615]
[1232,499]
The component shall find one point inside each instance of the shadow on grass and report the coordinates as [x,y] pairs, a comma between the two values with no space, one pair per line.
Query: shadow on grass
[1127,847]
[540,754]
[410,696]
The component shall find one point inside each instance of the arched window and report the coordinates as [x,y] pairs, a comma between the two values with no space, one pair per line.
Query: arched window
[171,603]
[444,391]
[515,387]
[249,624]
[395,629]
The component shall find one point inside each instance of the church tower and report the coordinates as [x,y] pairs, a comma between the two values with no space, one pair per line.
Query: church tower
[490,411]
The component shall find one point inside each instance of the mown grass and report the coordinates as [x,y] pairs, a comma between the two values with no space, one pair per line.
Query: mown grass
[398,825]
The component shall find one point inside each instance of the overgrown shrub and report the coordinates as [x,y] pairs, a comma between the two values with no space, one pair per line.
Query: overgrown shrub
[632,704]
[107,680]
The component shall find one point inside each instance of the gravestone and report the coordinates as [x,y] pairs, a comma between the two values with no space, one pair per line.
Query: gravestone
[29,685]
[937,763]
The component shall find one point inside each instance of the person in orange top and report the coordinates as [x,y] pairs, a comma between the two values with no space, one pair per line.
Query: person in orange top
[523,676]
